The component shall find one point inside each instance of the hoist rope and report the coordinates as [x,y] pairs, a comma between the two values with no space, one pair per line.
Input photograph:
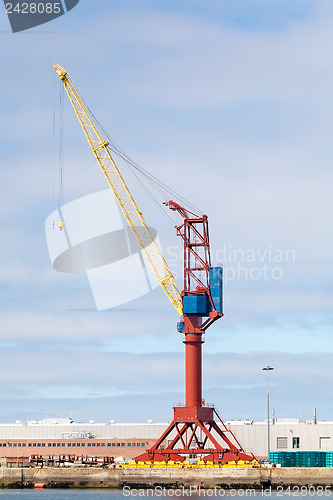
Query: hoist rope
[61,183]
[150,195]
[134,168]
[154,181]
[54,145]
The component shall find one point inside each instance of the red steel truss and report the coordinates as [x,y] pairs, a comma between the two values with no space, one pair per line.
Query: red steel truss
[194,431]
[197,262]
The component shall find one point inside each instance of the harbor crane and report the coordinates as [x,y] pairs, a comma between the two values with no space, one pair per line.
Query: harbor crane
[196,428]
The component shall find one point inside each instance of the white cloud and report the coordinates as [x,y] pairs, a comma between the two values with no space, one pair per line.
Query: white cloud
[152,383]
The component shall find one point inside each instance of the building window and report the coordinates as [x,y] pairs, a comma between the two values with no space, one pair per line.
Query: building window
[73,444]
[43,445]
[325,443]
[129,444]
[133,444]
[83,444]
[93,444]
[142,444]
[58,445]
[19,444]
[63,444]
[98,444]
[69,444]
[109,444]
[118,444]
[38,444]
[49,444]
[295,442]
[103,444]
[89,444]
[282,443]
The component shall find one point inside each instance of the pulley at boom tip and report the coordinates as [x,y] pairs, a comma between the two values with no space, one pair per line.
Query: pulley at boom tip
[60,70]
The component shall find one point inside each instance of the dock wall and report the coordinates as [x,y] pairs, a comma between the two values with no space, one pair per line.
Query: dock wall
[88,477]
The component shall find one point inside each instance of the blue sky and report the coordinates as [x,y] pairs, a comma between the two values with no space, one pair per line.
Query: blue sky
[229,103]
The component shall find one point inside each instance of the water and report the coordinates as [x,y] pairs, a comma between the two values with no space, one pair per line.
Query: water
[306,493]
[54,494]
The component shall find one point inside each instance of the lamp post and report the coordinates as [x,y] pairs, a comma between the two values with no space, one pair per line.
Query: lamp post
[268,369]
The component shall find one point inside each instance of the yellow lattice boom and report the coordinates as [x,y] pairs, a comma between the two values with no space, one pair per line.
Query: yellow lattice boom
[135,219]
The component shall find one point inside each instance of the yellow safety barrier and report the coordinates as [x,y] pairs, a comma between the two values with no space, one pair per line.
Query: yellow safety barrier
[200,464]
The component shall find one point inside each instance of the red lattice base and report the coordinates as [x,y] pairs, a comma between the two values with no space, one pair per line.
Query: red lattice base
[194,431]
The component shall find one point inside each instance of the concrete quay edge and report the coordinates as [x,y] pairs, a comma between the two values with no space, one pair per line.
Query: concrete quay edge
[89,477]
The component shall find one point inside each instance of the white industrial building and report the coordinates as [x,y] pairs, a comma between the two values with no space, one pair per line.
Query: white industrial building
[285,435]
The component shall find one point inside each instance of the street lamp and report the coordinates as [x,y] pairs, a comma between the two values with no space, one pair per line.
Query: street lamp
[268,369]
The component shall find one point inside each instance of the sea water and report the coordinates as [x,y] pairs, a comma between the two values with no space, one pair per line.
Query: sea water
[283,493]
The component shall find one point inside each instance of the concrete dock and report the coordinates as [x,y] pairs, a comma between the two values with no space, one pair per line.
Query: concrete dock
[90,477]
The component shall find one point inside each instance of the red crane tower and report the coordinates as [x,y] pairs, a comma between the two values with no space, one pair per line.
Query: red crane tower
[194,431]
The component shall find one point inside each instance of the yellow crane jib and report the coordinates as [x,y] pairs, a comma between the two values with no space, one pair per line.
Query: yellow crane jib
[135,219]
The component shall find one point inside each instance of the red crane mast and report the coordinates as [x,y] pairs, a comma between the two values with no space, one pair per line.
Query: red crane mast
[194,430]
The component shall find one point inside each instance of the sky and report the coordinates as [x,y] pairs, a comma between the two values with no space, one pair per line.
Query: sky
[228,103]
